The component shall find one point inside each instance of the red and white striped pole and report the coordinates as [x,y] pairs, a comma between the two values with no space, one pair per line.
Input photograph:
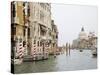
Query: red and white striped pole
[20,50]
[33,52]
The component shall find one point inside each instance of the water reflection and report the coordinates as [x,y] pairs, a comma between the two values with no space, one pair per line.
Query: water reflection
[76,61]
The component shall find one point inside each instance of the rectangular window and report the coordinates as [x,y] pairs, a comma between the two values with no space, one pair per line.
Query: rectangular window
[13,29]
[24,4]
[24,30]
[38,43]
[28,32]
[28,10]
[34,41]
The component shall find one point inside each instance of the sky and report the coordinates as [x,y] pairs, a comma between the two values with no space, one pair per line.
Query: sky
[71,18]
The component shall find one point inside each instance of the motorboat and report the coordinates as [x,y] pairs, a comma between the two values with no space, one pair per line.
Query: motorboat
[94,52]
[81,50]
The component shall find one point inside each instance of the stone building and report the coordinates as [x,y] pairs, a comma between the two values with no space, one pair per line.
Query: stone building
[75,44]
[19,25]
[54,41]
[92,41]
[84,40]
[40,29]
[33,33]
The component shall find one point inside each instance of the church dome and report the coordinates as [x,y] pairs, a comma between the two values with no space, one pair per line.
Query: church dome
[82,34]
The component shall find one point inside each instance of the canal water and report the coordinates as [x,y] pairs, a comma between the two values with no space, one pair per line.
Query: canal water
[76,61]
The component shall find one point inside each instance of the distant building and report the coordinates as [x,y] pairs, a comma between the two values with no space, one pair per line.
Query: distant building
[54,41]
[83,34]
[92,41]
[84,40]
[75,44]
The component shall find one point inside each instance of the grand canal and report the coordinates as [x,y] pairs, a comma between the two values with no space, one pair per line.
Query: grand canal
[76,61]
